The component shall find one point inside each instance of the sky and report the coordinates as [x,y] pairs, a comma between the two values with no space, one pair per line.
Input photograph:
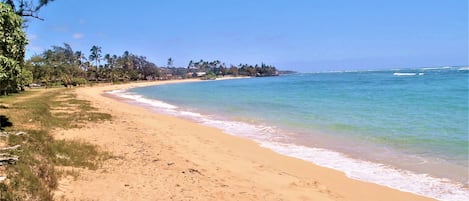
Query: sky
[301,35]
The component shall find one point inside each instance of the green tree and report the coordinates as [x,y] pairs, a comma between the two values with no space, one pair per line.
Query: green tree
[12,50]
[170,62]
[61,65]
[234,71]
[36,64]
[80,60]
[191,64]
[27,8]
[95,54]
[126,64]
[25,78]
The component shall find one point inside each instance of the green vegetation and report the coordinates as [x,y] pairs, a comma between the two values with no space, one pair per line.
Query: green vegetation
[258,71]
[34,176]
[209,76]
[221,69]
[26,8]
[12,50]
[62,66]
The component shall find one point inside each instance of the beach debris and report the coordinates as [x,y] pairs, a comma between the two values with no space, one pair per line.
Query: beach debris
[6,134]
[169,164]
[21,133]
[60,156]
[194,171]
[10,148]
[2,178]
[6,159]
[191,170]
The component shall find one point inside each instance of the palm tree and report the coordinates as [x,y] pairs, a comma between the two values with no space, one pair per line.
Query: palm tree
[126,59]
[109,67]
[95,54]
[170,62]
[108,59]
[79,59]
[190,64]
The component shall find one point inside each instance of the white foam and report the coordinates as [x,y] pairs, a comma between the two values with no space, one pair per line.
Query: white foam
[435,68]
[190,114]
[256,132]
[464,68]
[141,99]
[404,74]
[421,184]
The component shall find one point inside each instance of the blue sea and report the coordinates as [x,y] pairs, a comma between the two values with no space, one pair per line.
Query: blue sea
[403,128]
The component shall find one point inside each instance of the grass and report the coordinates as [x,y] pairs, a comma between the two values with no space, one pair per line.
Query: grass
[77,154]
[34,176]
[12,97]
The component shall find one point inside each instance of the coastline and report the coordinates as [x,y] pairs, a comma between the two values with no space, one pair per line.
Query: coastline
[164,157]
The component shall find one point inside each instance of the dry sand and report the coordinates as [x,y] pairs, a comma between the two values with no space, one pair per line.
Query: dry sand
[160,157]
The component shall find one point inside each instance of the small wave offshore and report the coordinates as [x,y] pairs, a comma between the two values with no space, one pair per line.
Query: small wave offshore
[270,137]
[408,74]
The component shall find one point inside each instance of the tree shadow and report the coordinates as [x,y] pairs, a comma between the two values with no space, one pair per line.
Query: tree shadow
[4,122]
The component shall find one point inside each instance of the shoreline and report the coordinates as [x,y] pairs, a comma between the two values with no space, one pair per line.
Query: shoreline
[251,168]
[125,86]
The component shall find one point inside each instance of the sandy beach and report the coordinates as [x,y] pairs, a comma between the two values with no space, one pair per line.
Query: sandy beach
[160,157]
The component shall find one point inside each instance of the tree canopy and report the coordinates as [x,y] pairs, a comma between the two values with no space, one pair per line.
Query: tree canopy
[27,8]
[61,65]
[12,50]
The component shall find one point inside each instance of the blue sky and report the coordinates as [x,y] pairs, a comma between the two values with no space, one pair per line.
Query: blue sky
[302,35]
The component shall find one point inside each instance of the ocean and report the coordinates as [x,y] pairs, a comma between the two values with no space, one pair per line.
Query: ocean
[403,128]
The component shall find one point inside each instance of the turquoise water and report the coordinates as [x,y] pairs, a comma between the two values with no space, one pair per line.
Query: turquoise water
[388,127]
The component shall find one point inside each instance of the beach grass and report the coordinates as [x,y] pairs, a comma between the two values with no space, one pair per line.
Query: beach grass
[34,176]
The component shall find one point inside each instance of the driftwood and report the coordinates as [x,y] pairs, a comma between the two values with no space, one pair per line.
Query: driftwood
[10,148]
[6,134]
[21,133]
[8,159]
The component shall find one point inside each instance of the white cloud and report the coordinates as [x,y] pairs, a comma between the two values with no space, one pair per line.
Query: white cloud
[78,35]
